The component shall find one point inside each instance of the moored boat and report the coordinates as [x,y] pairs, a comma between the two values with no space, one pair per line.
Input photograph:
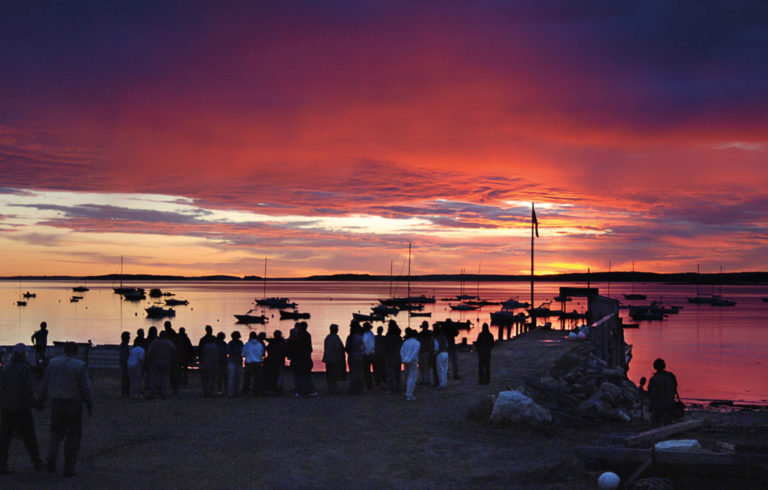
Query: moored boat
[292,315]
[420,313]
[29,295]
[461,325]
[646,312]
[720,301]
[464,307]
[247,319]
[80,289]
[276,303]
[512,303]
[362,317]
[385,310]
[635,296]
[133,294]
[159,312]
[176,302]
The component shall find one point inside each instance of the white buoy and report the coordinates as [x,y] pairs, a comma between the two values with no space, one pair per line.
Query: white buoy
[608,481]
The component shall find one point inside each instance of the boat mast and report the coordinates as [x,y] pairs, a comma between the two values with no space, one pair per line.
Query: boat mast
[390,278]
[409,270]
[533,221]
[698,278]
[478,280]
[265,278]
[720,293]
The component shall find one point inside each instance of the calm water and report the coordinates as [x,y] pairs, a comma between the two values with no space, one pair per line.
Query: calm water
[716,353]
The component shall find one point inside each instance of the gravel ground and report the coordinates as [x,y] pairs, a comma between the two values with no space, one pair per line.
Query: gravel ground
[374,440]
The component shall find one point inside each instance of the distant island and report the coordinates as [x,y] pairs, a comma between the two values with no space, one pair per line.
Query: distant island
[675,278]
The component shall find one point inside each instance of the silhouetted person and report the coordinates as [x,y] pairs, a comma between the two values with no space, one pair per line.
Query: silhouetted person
[17,400]
[67,384]
[185,353]
[274,364]
[483,346]
[208,353]
[392,343]
[124,350]
[355,351]
[427,355]
[369,346]
[235,366]
[441,357]
[253,377]
[135,366]
[333,357]
[140,339]
[222,365]
[173,337]
[451,331]
[301,360]
[379,359]
[151,337]
[40,342]
[662,389]
[409,353]
[159,362]
[208,337]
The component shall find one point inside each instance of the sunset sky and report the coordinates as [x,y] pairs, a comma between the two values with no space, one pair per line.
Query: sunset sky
[199,138]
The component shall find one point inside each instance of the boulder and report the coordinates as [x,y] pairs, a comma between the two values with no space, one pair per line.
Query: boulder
[514,407]
[613,390]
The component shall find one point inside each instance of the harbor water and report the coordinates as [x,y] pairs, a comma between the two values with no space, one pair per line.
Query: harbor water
[717,353]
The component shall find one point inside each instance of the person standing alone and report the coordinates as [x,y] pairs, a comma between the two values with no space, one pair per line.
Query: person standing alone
[484,345]
[40,342]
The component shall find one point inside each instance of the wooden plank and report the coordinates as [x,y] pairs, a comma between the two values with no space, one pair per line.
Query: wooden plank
[619,455]
[660,433]
[639,471]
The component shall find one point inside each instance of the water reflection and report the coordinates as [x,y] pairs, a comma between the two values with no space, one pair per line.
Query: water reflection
[716,353]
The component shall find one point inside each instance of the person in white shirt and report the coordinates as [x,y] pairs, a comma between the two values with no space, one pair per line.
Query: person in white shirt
[409,354]
[441,359]
[369,343]
[253,351]
[135,366]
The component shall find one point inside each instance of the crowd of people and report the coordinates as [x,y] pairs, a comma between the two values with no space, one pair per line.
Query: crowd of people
[156,364]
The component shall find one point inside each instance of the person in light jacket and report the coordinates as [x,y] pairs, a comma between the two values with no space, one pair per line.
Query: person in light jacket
[409,354]
[333,357]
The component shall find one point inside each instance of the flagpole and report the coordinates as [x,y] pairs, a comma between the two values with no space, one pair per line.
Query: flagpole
[533,311]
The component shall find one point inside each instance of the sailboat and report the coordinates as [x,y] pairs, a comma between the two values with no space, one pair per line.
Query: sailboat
[699,299]
[128,293]
[634,295]
[274,302]
[717,299]
[401,302]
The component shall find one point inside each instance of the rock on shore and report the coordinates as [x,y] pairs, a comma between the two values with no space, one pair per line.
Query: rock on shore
[582,384]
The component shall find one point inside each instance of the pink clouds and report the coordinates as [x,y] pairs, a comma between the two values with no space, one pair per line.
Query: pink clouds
[647,133]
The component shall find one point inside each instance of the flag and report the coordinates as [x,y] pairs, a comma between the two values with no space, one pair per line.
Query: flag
[534,221]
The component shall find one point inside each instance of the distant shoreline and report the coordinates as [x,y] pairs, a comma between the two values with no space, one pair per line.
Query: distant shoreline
[674,278]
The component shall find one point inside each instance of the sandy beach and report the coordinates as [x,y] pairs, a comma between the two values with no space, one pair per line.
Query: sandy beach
[374,440]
